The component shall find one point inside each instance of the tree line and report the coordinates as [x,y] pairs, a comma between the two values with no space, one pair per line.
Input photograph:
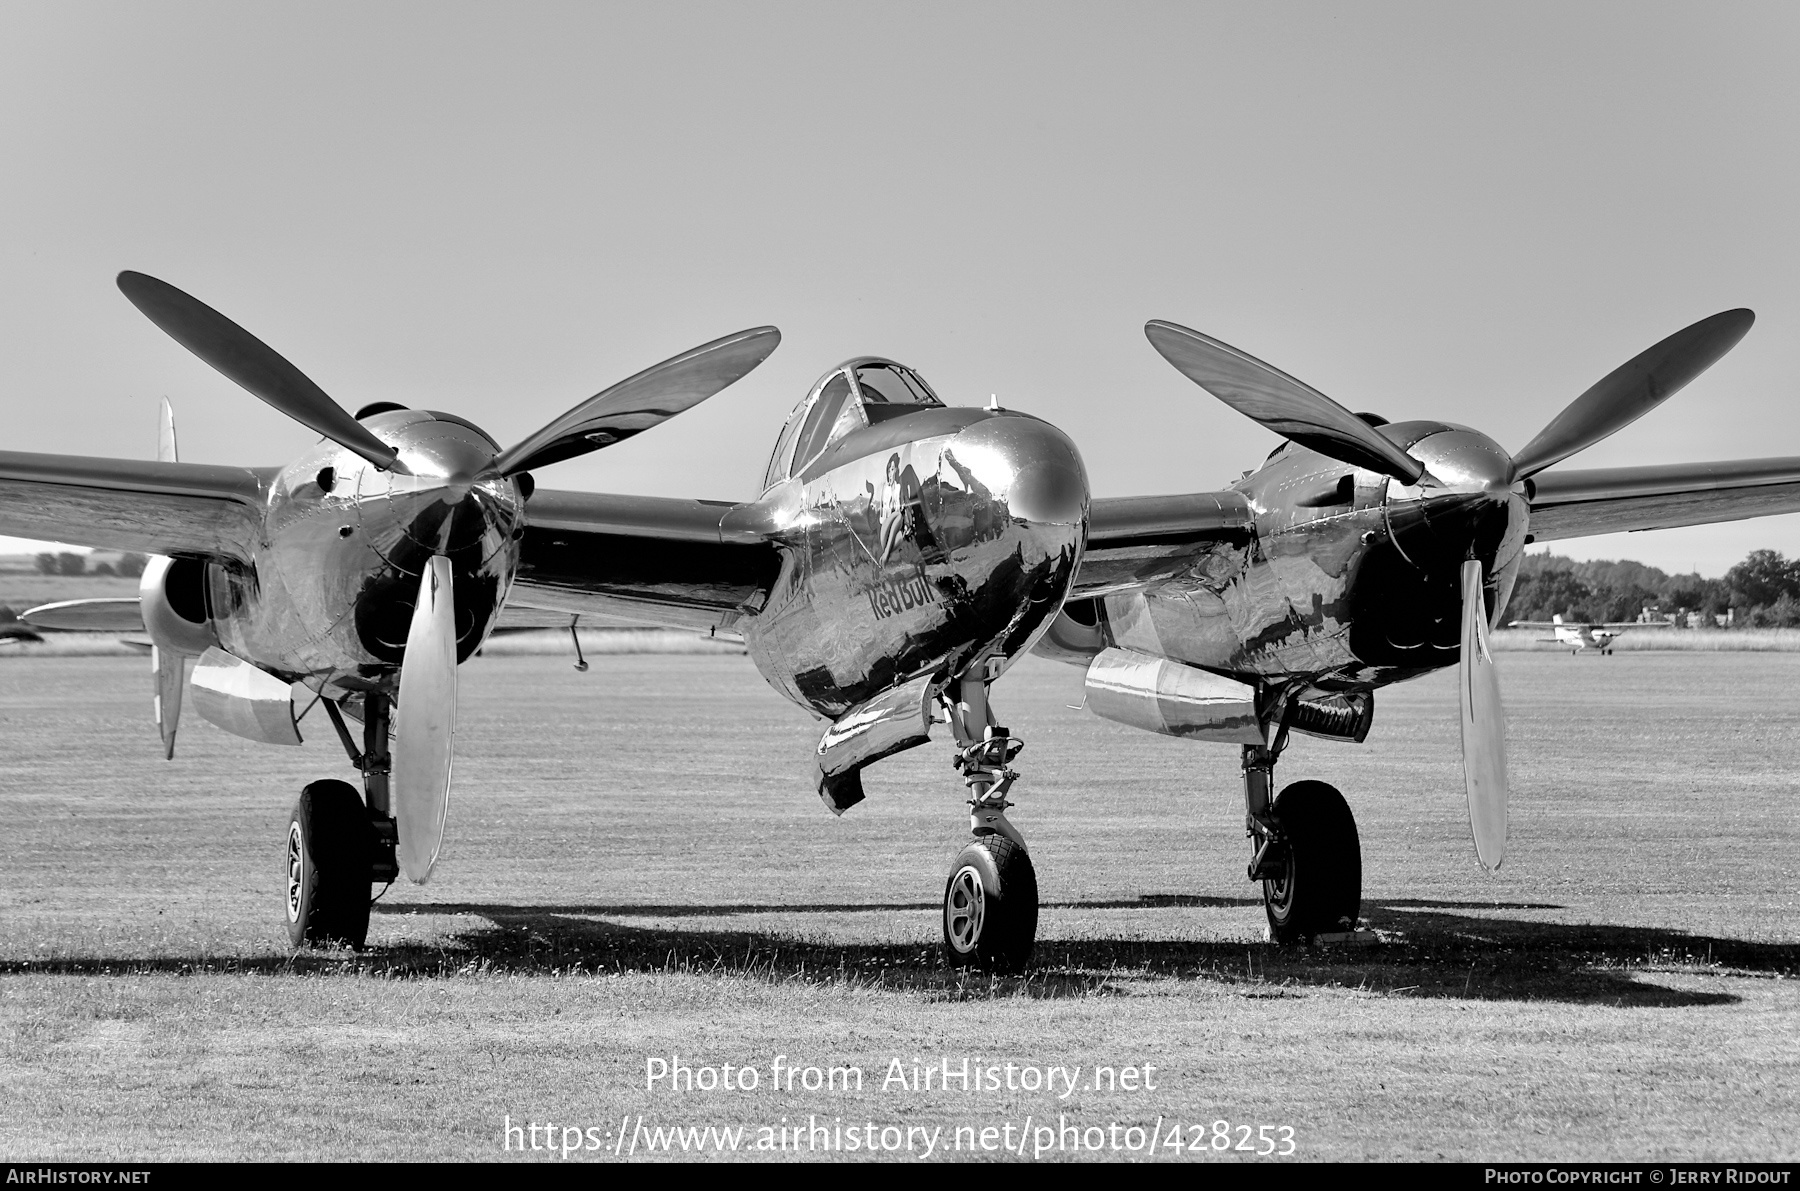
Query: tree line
[130,566]
[1763,591]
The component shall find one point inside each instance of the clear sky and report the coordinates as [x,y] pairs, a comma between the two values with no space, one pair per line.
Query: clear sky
[1463,211]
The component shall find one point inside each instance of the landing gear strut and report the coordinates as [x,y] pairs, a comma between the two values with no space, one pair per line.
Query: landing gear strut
[1307,856]
[991,896]
[338,844]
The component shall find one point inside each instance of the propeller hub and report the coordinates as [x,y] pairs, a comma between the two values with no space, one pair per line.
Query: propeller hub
[1468,506]
[448,504]
[1458,461]
[440,451]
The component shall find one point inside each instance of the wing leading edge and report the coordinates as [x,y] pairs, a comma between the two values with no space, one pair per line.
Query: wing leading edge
[1574,504]
[130,504]
[1136,540]
[641,559]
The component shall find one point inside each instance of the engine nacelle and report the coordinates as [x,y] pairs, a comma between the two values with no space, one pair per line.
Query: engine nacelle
[172,594]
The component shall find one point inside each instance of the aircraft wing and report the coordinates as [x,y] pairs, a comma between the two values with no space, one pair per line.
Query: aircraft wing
[130,504]
[637,560]
[1574,504]
[1137,540]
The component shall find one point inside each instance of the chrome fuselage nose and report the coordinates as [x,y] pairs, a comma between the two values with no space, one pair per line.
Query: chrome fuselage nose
[1028,466]
[922,545]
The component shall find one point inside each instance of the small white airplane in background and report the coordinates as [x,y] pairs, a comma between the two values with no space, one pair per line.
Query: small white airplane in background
[1583,634]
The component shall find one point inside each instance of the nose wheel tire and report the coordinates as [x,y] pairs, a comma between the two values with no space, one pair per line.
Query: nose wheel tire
[990,905]
[330,848]
[1320,890]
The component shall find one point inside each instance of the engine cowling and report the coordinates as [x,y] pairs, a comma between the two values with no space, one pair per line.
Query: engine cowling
[172,594]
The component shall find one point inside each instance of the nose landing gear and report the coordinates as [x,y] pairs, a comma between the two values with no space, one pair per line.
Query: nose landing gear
[991,896]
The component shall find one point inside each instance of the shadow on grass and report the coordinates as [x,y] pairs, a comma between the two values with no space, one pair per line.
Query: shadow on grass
[1426,951]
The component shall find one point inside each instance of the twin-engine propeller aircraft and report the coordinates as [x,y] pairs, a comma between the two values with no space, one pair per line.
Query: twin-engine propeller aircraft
[1585,634]
[902,556]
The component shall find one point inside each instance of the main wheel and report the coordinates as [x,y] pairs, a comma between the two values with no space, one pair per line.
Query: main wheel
[1321,890]
[330,846]
[990,905]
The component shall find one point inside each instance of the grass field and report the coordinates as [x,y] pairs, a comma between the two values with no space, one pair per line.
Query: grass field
[637,869]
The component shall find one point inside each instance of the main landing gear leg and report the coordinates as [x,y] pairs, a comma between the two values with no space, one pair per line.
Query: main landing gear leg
[337,845]
[991,896]
[1307,854]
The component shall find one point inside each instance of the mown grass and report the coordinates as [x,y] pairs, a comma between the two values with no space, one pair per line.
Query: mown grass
[637,870]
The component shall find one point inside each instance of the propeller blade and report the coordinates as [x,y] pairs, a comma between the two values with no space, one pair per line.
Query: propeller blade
[169,667]
[1634,389]
[171,675]
[425,724]
[1291,408]
[253,364]
[635,405]
[1483,726]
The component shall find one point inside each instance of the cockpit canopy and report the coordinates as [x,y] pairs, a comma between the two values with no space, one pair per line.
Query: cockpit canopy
[855,394]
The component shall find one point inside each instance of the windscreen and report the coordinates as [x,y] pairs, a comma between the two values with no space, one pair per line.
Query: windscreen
[893,385]
[817,432]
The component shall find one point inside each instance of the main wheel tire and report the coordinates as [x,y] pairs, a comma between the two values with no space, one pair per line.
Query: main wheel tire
[990,905]
[1321,891]
[330,846]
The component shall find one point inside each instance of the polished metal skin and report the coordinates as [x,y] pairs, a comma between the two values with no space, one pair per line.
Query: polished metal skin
[328,599]
[919,540]
[1337,597]
[1579,502]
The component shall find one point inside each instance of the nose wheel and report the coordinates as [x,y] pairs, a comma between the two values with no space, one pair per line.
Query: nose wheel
[990,905]
[991,895]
